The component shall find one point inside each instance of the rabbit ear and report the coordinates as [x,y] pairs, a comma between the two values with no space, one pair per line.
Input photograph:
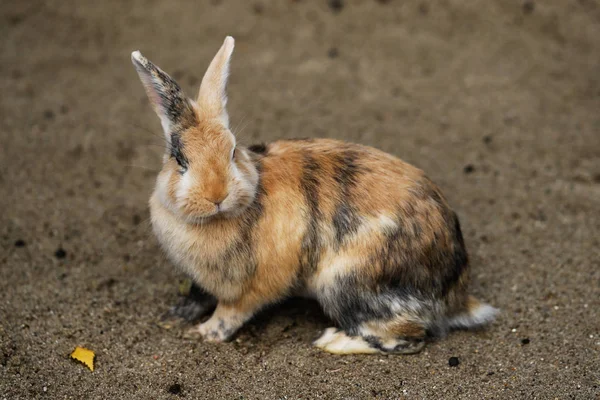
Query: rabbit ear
[212,98]
[174,109]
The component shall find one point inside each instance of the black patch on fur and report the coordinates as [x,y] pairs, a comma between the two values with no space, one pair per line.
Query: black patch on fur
[177,151]
[345,218]
[432,268]
[311,246]
[415,270]
[375,343]
[354,299]
[173,101]
[195,305]
[255,210]
[226,333]
[259,148]
[460,258]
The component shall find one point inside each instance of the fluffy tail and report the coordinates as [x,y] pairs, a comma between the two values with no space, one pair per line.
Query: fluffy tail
[475,315]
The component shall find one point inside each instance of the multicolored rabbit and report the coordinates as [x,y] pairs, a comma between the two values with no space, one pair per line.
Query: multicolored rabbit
[368,236]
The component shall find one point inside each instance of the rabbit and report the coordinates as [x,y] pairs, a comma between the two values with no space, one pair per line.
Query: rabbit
[368,236]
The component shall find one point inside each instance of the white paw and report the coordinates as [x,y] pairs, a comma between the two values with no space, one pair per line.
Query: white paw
[328,335]
[216,330]
[337,342]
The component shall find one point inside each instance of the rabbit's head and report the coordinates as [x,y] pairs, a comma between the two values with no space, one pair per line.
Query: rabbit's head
[204,174]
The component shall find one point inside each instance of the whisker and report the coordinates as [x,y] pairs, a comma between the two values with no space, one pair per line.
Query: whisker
[153,145]
[143,167]
[238,124]
[147,130]
[239,132]
[145,224]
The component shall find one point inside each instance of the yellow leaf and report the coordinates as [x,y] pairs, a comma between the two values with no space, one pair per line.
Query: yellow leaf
[85,356]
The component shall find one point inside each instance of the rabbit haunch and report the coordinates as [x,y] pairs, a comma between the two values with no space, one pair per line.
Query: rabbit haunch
[370,237]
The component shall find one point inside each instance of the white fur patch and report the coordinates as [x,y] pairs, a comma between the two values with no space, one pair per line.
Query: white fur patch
[327,336]
[410,305]
[166,125]
[137,55]
[183,189]
[482,315]
[387,223]
[336,265]
[162,188]
[337,342]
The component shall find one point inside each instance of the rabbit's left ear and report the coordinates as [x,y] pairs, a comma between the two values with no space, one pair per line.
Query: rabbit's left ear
[174,109]
[212,98]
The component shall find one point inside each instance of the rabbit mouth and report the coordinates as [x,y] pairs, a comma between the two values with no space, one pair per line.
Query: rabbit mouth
[197,218]
[200,220]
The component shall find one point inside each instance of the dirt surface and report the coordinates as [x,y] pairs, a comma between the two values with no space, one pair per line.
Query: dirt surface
[499,101]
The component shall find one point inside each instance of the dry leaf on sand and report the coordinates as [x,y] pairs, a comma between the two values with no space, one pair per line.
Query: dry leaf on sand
[85,356]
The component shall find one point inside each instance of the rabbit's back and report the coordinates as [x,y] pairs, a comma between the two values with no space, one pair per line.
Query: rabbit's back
[342,213]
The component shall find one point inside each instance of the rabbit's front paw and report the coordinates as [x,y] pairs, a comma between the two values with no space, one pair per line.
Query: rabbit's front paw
[223,324]
[217,329]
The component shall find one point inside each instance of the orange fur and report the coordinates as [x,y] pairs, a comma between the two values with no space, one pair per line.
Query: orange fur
[369,236]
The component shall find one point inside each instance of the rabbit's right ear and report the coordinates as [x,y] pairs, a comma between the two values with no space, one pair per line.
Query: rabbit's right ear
[212,98]
[174,109]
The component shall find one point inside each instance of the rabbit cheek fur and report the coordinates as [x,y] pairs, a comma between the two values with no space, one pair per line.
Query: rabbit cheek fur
[370,237]
[212,248]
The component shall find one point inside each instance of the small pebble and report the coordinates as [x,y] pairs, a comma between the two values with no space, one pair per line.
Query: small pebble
[336,5]
[20,243]
[60,253]
[453,361]
[258,8]
[469,168]
[48,114]
[175,388]
[333,52]
[15,19]
[528,6]
[525,341]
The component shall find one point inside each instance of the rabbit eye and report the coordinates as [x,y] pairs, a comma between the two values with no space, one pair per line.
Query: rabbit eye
[181,163]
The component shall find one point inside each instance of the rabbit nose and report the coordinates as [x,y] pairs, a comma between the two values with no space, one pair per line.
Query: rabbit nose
[218,200]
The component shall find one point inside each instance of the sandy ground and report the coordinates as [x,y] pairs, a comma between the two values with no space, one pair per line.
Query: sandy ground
[499,101]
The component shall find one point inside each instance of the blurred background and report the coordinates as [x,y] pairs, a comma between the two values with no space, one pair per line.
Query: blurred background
[498,101]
